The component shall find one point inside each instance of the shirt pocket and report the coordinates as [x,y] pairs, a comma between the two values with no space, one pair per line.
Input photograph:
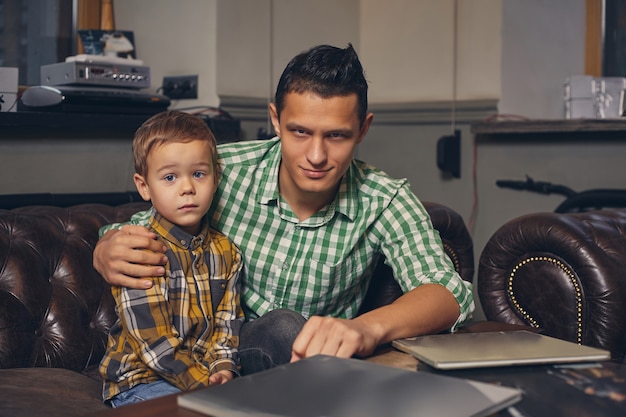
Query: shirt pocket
[218,289]
[328,288]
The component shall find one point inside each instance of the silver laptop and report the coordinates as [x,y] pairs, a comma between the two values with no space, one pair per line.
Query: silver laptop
[488,349]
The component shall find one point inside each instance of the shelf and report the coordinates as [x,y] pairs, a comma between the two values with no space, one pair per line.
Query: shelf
[84,125]
[67,125]
[566,131]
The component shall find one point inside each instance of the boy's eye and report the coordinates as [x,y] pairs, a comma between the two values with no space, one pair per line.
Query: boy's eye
[198,174]
[169,177]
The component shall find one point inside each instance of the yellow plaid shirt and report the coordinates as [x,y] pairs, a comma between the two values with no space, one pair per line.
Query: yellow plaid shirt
[184,328]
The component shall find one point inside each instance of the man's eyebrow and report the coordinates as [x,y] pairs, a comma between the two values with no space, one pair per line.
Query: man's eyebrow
[296,126]
[346,132]
[292,125]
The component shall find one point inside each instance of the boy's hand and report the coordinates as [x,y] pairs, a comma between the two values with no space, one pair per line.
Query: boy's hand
[121,256]
[221,377]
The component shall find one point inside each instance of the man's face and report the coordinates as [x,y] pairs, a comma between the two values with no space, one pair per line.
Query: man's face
[318,137]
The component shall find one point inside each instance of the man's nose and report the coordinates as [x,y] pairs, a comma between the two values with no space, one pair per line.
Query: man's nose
[316,152]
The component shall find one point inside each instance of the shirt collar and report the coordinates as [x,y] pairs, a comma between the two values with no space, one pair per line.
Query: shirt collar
[268,174]
[175,234]
[348,195]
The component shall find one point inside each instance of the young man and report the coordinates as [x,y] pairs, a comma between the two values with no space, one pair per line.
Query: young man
[183,332]
[312,223]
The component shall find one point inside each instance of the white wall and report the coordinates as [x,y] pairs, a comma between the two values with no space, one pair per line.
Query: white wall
[174,38]
[407,49]
[517,51]
[543,43]
[406,45]
[257,38]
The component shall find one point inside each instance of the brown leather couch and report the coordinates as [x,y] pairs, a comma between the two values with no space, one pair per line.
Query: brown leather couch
[55,309]
[564,274]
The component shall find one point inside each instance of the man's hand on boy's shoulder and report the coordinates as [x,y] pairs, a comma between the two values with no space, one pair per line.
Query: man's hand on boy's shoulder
[126,255]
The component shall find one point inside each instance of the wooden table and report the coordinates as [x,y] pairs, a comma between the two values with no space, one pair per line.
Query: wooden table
[167,406]
[548,392]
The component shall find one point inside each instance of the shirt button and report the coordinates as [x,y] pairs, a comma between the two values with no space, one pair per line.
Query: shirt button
[285,265]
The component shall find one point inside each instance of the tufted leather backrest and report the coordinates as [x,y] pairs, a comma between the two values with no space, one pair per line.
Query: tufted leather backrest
[55,309]
[562,273]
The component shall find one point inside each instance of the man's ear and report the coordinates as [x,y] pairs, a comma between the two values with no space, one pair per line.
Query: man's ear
[274,118]
[369,118]
[142,186]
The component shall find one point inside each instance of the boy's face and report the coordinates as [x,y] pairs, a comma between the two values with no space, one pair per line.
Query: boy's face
[318,138]
[181,182]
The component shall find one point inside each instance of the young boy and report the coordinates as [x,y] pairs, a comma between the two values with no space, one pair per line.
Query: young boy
[182,333]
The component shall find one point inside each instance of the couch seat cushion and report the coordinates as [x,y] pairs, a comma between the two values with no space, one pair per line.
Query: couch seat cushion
[47,392]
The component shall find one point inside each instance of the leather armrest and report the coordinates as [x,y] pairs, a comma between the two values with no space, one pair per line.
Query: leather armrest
[563,273]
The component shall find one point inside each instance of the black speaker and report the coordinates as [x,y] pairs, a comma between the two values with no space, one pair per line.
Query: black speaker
[449,154]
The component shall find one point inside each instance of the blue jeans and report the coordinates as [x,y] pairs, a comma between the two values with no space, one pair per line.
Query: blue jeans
[143,392]
[266,342]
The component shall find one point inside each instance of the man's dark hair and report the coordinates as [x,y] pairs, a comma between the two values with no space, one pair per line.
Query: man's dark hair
[326,71]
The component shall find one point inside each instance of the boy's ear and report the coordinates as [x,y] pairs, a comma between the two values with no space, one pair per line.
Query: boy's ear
[142,186]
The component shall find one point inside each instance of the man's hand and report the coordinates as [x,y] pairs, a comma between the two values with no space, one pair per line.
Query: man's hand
[121,256]
[334,337]
[429,308]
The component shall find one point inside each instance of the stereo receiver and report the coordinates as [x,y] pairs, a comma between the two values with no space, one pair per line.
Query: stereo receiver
[103,74]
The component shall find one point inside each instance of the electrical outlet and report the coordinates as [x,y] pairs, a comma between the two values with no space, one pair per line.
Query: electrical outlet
[180,86]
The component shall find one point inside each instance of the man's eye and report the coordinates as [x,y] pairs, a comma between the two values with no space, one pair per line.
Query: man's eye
[337,135]
[169,177]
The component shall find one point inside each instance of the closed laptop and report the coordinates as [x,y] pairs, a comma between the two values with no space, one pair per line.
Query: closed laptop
[333,387]
[488,349]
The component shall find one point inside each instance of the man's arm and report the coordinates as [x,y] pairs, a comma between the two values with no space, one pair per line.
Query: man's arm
[429,308]
[121,256]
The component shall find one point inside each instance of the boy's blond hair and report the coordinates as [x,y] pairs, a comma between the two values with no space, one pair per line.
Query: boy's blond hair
[170,127]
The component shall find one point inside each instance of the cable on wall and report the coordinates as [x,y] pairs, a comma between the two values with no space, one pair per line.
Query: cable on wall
[449,146]
[455,46]
[268,127]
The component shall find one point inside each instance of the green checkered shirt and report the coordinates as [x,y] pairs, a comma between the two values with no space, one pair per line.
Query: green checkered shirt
[323,265]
